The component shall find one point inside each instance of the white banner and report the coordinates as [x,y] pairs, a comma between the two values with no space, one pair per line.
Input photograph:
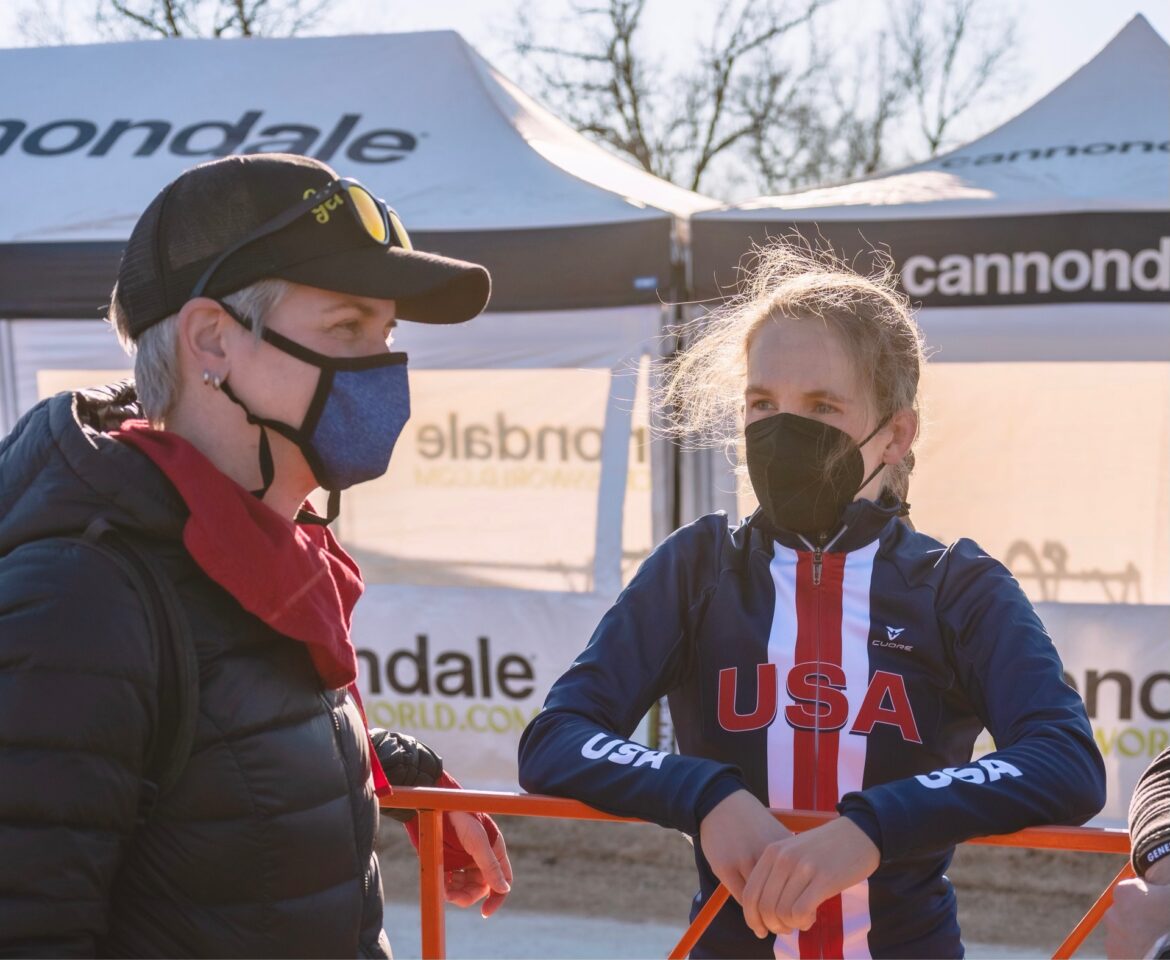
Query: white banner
[1117,656]
[465,670]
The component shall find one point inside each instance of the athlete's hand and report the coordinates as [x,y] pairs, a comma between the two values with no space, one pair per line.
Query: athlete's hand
[1139,916]
[491,875]
[794,876]
[734,835]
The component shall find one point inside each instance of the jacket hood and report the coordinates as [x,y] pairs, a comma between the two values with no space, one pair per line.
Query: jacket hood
[60,469]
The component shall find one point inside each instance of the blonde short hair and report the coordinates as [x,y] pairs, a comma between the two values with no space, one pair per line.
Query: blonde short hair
[156,351]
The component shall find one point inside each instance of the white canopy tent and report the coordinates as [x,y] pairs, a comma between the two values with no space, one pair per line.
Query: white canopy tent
[1040,257]
[521,489]
[1059,216]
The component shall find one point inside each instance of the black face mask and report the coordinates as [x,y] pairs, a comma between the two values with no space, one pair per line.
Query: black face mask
[804,472]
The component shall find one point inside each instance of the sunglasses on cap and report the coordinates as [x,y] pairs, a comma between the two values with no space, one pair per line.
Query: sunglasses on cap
[380,222]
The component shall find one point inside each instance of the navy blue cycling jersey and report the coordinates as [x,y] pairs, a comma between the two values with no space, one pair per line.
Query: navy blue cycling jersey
[854,677]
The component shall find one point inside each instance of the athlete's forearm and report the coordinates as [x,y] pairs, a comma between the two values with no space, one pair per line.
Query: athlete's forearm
[570,755]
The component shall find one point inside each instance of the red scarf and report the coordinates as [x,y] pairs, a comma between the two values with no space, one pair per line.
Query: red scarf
[295,577]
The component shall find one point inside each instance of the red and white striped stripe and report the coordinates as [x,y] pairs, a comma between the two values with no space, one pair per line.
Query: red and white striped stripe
[812,769]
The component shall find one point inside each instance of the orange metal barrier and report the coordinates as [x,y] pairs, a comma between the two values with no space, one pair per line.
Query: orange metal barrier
[431,804]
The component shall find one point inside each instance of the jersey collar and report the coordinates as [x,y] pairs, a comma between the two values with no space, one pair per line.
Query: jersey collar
[862,523]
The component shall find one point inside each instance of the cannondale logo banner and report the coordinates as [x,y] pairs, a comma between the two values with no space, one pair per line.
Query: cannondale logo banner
[252,132]
[1035,258]
[1026,273]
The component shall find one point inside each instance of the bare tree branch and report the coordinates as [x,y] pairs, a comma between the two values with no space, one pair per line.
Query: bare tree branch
[124,19]
[763,99]
[948,67]
[607,87]
[165,25]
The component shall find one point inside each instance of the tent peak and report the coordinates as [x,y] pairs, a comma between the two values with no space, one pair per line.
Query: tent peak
[1137,22]
[1099,137]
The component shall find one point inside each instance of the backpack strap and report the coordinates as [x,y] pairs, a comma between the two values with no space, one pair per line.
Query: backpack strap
[178,669]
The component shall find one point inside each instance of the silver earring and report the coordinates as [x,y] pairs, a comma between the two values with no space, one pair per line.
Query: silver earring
[213,380]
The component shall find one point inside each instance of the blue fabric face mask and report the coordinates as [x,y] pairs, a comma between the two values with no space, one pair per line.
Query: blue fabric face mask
[355,417]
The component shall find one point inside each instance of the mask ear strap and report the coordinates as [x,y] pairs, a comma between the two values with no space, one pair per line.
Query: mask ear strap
[267,471]
[331,512]
[875,472]
[873,433]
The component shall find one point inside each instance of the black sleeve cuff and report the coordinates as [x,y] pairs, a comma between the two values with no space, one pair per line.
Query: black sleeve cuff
[854,808]
[718,790]
[1149,851]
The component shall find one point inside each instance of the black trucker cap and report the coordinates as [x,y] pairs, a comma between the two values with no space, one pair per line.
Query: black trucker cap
[215,205]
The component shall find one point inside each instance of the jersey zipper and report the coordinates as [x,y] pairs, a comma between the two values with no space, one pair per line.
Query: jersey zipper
[818,560]
[818,564]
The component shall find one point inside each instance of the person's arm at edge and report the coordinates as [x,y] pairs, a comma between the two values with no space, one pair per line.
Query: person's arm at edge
[1149,818]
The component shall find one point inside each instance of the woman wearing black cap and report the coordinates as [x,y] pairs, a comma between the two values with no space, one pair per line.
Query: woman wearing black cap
[185,769]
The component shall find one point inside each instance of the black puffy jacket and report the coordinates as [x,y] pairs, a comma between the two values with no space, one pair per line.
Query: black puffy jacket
[266,845]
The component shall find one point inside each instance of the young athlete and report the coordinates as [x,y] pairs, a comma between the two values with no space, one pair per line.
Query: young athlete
[821,655]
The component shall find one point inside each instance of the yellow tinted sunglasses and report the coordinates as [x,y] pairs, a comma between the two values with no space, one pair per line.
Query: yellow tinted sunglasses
[379,221]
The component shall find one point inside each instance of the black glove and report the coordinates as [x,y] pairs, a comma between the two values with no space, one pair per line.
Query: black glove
[406,763]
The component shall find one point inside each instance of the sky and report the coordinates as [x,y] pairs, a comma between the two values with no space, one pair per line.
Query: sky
[1055,37]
